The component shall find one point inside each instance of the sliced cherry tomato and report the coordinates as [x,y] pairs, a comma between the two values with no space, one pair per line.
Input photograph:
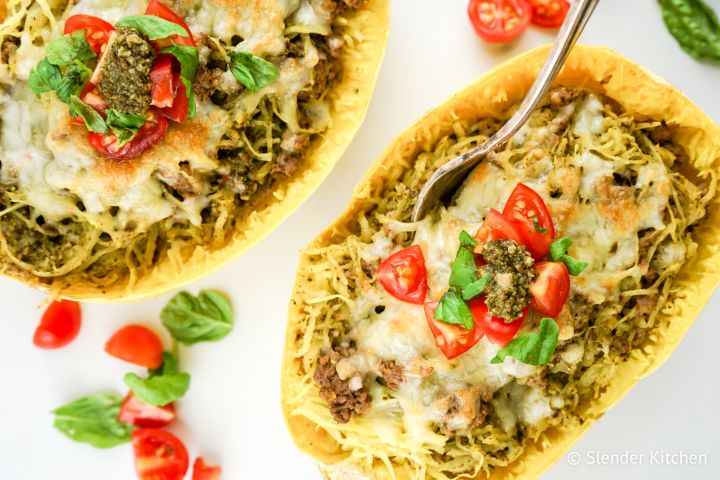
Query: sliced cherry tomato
[178,112]
[148,135]
[159,10]
[159,455]
[451,339]
[136,344]
[528,209]
[499,21]
[97,30]
[59,325]
[551,288]
[203,472]
[497,330]
[497,226]
[162,79]
[134,411]
[548,13]
[403,275]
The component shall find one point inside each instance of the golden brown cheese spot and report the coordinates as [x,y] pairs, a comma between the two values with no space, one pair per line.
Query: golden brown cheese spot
[616,204]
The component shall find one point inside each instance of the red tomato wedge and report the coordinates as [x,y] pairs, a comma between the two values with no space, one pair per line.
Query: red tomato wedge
[403,275]
[97,30]
[178,112]
[551,288]
[162,79]
[548,13]
[497,330]
[136,344]
[134,411]
[451,339]
[59,325]
[497,226]
[498,21]
[528,210]
[149,134]
[203,472]
[157,9]
[159,455]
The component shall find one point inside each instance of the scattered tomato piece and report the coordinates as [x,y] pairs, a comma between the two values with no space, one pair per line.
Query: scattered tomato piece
[97,30]
[136,344]
[59,325]
[551,288]
[159,455]
[451,339]
[203,472]
[531,216]
[548,13]
[497,330]
[403,275]
[497,226]
[134,411]
[498,21]
[161,77]
[149,134]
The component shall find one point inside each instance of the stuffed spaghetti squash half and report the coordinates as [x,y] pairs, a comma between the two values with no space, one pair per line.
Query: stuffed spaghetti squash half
[481,341]
[145,143]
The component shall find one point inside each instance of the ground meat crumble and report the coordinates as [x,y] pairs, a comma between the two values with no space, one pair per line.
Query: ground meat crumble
[344,397]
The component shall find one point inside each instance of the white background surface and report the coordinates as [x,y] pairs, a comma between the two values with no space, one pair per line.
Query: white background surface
[231,414]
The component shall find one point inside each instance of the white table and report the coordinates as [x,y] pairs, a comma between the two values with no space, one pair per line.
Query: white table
[231,414]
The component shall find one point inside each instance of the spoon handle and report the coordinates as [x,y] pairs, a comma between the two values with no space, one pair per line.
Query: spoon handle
[453,172]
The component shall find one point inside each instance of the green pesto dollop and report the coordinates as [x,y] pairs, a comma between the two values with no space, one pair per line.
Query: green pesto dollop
[511,268]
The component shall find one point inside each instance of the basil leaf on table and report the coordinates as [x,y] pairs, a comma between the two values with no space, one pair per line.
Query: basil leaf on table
[534,348]
[558,252]
[189,59]
[93,420]
[252,71]
[93,120]
[73,82]
[69,49]
[45,77]
[453,310]
[158,390]
[152,27]
[205,318]
[694,25]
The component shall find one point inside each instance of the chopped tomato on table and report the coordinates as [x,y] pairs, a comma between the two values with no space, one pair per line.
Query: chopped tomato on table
[497,330]
[59,325]
[97,30]
[548,13]
[403,275]
[551,288]
[159,455]
[203,472]
[498,21]
[527,210]
[136,344]
[134,411]
[451,339]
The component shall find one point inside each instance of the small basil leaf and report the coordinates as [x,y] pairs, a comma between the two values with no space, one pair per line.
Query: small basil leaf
[252,71]
[463,271]
[93,120]
[189,60]
[45,77]
[536,224]
[152,27]
[73,82]
[475,288]
[694,25]
[205,318]
[467,240]
[93,420]
[70,49]
[124,125]
[534,348]
[158,390]
[169,365]
[453,310]
[558,252]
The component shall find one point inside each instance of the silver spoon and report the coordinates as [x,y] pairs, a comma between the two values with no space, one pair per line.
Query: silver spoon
[448,177]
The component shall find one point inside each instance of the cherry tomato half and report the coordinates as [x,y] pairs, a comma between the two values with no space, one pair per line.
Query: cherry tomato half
[551,288]
[134,411]
[97,30]
[497,330]
[59,325]
[148,135]
[497,226]
[157,9]
[451,339]
[162,79]
[203,472]
[527,208]
[548,13]
[159,455]
[136,344]
[403,275]
[499,21]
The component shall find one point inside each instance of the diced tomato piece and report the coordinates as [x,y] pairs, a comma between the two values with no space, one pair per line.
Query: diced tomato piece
[59,325]
[551,288]
[178,112]
[162,79]
[97,30]
[528,210]
[136,344]
[451,339]
[203,472]
[159,10]
[497,226]
[403,275]
[498,21]
[149,134]
[159,455]
[497,330]
[134,411]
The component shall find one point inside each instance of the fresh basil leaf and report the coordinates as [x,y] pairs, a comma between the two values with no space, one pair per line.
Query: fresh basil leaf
[558,252]
[463,271]
[475,288]
[124,125]
[152,27]
[45,77]
[252,71]
[189,60]
[205,318]
[169,365]
[159,390]
[453,310]
[694,25]
[536,224]
[69,49]
[93,120]
[467,240]
[93,420]
[534,348]
[72,83]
